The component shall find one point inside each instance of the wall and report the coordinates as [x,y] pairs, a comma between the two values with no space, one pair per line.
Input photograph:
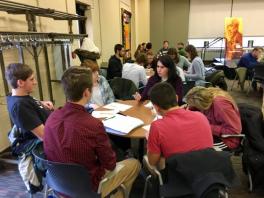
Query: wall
[142,21]
[105,29]
[168,21]
[207,17]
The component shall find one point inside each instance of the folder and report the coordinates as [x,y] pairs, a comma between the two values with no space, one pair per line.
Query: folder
[121,124]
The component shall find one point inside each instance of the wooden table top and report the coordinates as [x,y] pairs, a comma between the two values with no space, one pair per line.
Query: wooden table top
[138,110]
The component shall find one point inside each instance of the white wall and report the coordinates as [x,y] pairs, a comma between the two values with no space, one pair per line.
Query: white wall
[207,17]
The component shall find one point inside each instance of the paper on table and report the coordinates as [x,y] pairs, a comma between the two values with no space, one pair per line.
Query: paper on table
[149,105]
[121,124]
[117,106]
[146,127]
[104,114]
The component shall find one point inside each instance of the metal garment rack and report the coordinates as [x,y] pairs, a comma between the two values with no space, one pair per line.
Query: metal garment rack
[36,41]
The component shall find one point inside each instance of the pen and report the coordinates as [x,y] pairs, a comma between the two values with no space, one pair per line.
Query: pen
[109,118]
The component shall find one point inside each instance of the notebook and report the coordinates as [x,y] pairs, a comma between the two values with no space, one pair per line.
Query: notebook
[121,125]
[117,106]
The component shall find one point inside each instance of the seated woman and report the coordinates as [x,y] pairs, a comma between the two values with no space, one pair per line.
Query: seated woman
[102,93]
[221,111]
[196,71]
[172,52]
[178,59]
[164,72]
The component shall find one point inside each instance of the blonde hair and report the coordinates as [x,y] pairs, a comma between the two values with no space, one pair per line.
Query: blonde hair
[202,98]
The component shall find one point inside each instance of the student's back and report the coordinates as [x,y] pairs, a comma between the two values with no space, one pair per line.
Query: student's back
[180,131]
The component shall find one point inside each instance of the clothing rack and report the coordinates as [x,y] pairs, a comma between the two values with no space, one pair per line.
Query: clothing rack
[34,42]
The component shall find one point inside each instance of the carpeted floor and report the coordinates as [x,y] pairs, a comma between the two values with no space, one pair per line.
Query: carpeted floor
[11,184]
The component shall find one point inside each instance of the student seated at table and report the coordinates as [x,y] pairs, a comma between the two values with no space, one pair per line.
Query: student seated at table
[102,93]
[73,136]
[28,115]
[164,72]
[221,111]
[196,71]
[136,71]
[179,131]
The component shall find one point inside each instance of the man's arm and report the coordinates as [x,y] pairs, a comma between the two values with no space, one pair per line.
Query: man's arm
[104,150]
[39,131]
[153,158]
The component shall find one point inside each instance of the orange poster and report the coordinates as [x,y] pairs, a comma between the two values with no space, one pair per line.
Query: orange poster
[233,37]
[126,28]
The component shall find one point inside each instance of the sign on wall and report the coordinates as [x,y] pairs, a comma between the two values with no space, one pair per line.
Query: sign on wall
[233,37]
[126,28]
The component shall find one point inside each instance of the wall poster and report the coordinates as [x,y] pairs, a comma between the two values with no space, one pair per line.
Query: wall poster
[233,37]
[126,28]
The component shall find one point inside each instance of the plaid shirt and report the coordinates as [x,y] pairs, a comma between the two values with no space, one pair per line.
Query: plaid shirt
[106,91]
[73,136]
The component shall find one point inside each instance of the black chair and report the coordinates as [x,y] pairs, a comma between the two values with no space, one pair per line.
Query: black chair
[197,174]
[253,146]
[259,72]
[123,89]
[187,86]
[68,179]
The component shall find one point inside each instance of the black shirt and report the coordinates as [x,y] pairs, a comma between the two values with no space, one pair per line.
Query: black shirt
[26,113]
[114,68]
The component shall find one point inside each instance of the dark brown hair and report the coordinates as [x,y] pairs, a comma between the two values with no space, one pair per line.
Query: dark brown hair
[142,59]
[174,51]
[192,51]
[90,64]
[17,71]
[74,81]
[163,95]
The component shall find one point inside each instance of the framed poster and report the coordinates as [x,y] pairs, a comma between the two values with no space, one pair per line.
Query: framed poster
[126,28]
[233,37]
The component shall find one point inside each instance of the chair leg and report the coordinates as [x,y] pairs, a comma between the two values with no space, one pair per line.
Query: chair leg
[124,190]
[234,82]
[250,181]
[46,191]
[146,186]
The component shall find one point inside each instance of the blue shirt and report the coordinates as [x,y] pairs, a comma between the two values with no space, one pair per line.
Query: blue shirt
[248,61]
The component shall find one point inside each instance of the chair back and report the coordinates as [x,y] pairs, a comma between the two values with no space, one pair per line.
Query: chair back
[187,86]
[123,89]
[197,171]
[259,72]
[252,116]
[71,180]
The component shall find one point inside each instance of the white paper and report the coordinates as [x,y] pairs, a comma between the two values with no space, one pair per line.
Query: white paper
[147,127]
[149,105]
[117,106]
[121,124]
[104,114]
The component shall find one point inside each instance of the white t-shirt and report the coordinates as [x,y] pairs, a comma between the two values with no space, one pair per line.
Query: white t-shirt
[134,72]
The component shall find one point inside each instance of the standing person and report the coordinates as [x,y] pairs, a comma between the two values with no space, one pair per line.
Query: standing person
[196,71]
[28,115]
[102,93]
[178,131]
[74,136]
[221,111]
[115,64]
[139,50]
[136,71]
[164,49]
[165,72]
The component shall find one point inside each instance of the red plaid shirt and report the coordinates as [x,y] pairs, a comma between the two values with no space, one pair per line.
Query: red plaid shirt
[73,136]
